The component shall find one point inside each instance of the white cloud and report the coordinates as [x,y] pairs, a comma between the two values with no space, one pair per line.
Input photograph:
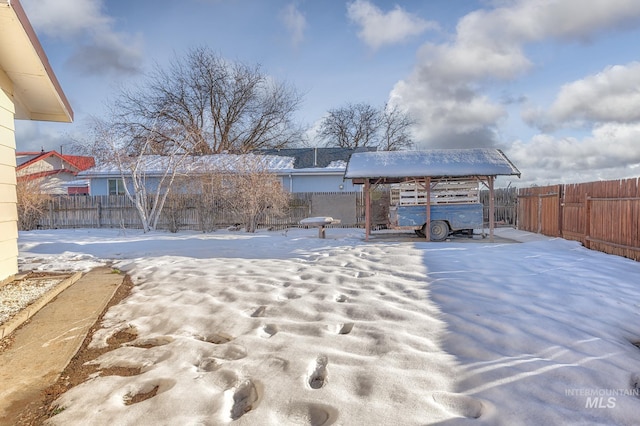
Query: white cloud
[67,18]
[84,25]
[295,22]
[532,20]
[610,152]
[34,136]
[611,95]
[108,53]
[379,29]
[456,116]
[489,45]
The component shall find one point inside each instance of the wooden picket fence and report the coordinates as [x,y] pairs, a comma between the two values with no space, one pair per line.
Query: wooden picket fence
[604,215]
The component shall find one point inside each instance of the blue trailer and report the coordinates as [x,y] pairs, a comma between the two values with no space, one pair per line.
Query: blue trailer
[446,219]
[455,208]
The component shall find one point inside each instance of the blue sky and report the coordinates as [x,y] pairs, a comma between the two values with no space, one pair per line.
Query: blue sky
[554,83]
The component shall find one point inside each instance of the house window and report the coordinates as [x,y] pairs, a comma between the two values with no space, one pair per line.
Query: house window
[116,187]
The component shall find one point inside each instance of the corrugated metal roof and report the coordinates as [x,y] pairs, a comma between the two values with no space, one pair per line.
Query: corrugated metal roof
[430,163]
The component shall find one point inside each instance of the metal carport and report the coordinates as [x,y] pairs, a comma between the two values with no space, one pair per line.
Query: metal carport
[389,167]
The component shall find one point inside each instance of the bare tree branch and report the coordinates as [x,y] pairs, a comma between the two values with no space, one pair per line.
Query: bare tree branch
[205,105]
[395,129]
[110,146]
[352,126]
[362,125]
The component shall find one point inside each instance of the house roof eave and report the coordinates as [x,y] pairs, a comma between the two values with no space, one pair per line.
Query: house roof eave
[35,89]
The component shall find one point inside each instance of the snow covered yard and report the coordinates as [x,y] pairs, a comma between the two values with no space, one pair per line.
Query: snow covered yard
[285,328]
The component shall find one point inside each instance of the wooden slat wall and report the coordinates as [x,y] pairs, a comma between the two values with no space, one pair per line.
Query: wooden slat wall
[450,191]
[603,215]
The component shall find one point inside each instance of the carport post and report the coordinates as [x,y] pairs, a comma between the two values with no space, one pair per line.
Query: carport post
[492,214]
[427,228]
[367,209]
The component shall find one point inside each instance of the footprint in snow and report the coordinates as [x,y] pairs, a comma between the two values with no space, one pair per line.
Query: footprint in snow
[259,312]
[635,384]
[318,372]
[242,399]
[308,414]
[139,392]
[344,328]
[459,404]
[216,338]
[229,352]
[269,330]
[208,364]
[151,342]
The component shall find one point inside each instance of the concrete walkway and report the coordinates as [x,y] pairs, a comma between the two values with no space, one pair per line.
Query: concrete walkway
[43,347]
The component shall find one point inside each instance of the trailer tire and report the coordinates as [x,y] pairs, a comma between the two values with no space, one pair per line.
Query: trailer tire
[439,230]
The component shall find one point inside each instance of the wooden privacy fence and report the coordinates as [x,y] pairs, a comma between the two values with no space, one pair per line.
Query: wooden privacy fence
[117,211]
[505,210]
[539,209]
[604,216]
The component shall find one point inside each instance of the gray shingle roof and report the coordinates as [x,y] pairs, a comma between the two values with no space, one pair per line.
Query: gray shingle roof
[307,158]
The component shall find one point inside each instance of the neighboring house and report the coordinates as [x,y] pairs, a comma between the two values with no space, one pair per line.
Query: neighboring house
[56,172]
[317,169]
[300,170]
[107,179]
[29,91]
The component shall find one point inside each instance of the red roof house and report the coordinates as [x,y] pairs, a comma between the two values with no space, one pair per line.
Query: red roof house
[56,171]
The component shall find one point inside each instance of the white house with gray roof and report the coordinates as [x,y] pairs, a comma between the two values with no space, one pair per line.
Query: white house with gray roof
[106,178]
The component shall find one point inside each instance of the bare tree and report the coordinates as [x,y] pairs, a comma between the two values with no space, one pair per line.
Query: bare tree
[352,126]
[395,129]
[178,202]
[362,125]
[209,189]
[147,179]
[252,191]
[221,106]
[32,203]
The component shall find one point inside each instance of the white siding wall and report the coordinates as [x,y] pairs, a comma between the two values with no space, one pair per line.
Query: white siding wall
[47,165]
[317,183]
[8,201]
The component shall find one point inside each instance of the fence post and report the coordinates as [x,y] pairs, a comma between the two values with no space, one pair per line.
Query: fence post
[587,220]
[51,226]
[99,208]
[560,209]
[539,231]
